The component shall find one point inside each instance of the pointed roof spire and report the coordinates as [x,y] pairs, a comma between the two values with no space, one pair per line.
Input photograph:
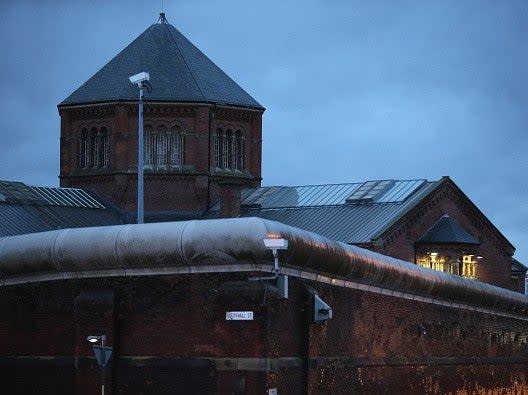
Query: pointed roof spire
[179,72]
[162,18]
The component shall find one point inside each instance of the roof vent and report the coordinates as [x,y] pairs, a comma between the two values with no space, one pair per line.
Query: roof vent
[162,18]
[369,191]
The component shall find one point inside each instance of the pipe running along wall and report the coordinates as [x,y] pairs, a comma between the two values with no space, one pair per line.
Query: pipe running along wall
[235,241]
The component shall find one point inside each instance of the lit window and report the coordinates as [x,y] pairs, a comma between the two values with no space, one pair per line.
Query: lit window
[465,266]
[469,266]
[436,261]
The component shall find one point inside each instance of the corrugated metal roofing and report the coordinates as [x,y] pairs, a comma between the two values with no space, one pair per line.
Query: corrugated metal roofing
[324,209]
[67,197]
[179,72]
[28,209]
[18,192]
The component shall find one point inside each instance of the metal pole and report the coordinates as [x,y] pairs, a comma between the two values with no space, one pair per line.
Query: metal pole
[103,338]
[275,262]
[140,171]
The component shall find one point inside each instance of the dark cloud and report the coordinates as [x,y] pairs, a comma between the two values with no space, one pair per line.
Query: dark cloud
[354,90]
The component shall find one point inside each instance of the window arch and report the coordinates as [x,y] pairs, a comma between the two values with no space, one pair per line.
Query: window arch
[164,148]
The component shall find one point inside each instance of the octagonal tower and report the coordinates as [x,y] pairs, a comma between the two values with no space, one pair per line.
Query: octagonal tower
[203,132]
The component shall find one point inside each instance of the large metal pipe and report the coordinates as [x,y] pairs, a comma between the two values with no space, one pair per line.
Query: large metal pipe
[233,242]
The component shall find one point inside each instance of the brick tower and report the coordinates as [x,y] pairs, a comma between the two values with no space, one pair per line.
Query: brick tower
[202,131]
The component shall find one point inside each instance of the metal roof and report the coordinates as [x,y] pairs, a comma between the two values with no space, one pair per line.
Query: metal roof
[378,191]
[18,192]
[179,72]
[351,213]
[445,230]
[26,209]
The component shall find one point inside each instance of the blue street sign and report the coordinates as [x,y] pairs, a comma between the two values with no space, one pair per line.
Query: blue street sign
[102,354]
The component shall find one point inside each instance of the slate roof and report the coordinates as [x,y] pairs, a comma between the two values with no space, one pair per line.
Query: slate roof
[518,266]
[179,72]
[27,209]
[353,213]
[446,230]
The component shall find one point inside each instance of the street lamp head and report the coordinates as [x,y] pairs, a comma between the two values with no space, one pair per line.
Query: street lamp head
[139,78]
[93,339]
[276,244]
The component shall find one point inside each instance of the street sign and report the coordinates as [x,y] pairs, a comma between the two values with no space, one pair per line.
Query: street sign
[239,315]
[102,354]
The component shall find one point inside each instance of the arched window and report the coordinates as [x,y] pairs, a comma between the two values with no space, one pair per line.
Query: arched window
[176,146]
[228,150]
[103,148]
[163,148]
[94,148]
[147,150]
[219,148]
[238,156]
[84,149]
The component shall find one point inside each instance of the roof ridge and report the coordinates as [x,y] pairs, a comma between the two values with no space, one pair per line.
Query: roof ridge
[345,183]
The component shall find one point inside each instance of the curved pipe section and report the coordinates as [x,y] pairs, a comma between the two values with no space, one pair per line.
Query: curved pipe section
[235,241]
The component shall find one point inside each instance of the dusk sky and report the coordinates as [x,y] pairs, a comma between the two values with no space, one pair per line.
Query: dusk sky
[353,90]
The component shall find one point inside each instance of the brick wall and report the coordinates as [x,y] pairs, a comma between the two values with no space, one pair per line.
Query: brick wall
[170,335]
[191,188]
[493,268]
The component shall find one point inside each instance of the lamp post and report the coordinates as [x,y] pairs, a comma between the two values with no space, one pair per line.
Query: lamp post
[275,245]
[102,355]
[281,280]
[140,79]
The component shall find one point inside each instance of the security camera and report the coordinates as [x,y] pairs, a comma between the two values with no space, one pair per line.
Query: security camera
[139,78]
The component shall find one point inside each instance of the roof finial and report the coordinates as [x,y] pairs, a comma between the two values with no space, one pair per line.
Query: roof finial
[162,18]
